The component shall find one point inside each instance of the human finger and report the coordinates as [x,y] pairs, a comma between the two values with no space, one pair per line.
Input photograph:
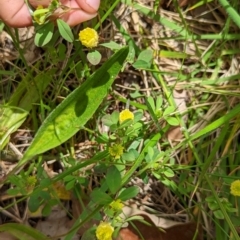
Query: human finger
[83,10]
[15,13]
[78,15]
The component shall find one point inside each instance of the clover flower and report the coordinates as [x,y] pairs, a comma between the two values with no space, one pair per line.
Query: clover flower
[88,37]
[40,15]
[30,183]
[125,114]
[116,150]
[235,188]
[61,192]
[116,205]
[104,231]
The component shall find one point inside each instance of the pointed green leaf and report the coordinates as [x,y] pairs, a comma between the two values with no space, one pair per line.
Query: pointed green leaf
[65,30]
[128,193]
[100,197]
[44,34]
[172,121]
[113,179]
[77,108]
[112,45]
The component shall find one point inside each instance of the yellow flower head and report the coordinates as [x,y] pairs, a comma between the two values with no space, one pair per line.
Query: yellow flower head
[61,191]
[88,37]
[116,150]
[125,114]
[40,14]
[116,205]
[235,188]
[104,231]
[30,183]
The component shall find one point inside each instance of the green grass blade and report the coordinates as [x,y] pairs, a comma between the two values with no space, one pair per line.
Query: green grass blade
[22,232]
[76,109]
[218,123]
[14,113]
[230,11]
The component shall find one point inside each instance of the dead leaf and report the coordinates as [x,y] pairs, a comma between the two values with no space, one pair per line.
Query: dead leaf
[56,224]
[174,134]
[186,231]
[126,234]
[7,236]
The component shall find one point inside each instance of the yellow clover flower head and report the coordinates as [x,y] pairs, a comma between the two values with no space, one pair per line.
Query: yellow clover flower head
[88,37]
[31,180]
[30,183]
[125,114]
[116,205]
[116,150]
[104,231]
[61,191]
[235,188]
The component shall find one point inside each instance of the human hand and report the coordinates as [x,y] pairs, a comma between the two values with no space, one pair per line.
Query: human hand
[16,13]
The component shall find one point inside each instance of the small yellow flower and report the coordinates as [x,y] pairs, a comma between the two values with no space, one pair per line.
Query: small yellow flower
[104,231]
[116,151]
[116,205]
[30,183]
[125,114]
[61,191]
[235,188]
[88,37]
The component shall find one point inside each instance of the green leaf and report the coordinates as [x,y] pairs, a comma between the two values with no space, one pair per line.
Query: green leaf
[112,45]
[34,203]
[218,214]
[90,234]
[141,64]
[13,191]
[168,110]
[159,102]
[151,102]
[44,183]
[100,197]
[46,210]
[65,30]
[172,121]
[22,232]
[77,108]
[110,120]
[144,59]
[168,172]
[150,152]
[146,55]
[94,57]
[70,185]
[128,193]
[113,179]
[130,156]
[44,34]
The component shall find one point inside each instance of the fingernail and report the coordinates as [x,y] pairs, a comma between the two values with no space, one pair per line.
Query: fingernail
[94,4]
